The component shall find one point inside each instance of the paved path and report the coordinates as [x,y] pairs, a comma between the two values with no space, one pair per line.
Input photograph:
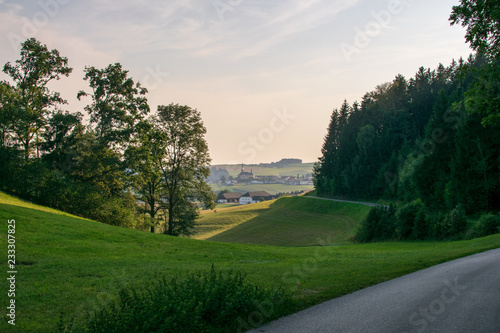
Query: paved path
[354,202]
[458,296]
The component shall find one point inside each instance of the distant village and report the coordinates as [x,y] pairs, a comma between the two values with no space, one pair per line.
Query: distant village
[220,176]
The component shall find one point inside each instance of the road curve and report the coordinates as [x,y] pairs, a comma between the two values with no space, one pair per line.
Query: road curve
[458,296]
[338,200]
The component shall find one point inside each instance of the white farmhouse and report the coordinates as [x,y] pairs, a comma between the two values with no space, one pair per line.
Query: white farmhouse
[254,197]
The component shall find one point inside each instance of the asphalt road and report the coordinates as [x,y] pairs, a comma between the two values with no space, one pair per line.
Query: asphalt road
[458,296]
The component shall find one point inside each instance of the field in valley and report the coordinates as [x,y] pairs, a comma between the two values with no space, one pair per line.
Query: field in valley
[68,265]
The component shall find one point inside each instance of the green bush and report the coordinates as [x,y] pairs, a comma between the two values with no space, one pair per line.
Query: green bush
[488,224]
[406,217]
[454,224]
[421,228]
[434,221]
[111,210]
[10,162]
[378,225]
[201,302]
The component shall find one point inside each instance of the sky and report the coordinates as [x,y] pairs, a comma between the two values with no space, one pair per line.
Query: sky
[265,75]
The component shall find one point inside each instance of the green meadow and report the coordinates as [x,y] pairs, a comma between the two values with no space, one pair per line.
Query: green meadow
[269,188]
[69,265]
[289,221]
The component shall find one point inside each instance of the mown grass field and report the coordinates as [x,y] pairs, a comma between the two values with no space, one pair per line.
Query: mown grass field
[291,221]
[68,265]
[269,188]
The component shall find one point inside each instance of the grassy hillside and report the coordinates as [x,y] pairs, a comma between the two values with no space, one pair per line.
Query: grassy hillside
[68,264]
[293,221]
[212,223]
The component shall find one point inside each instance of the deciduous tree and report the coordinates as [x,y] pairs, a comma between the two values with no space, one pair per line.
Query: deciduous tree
[30,100]
[118,104]
[482,21]
[185,164]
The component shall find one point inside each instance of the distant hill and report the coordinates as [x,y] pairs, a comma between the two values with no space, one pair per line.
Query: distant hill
[282,164]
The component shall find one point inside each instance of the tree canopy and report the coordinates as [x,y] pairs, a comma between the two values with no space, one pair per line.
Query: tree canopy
[431,142]
[482,21]
[121,168]
[28,103]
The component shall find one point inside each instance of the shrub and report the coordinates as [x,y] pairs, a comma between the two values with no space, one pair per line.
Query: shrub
[113,210]
[455,224]
[488,224]
[201,302]
[434,221]
[406,217]
[378,225]
[421,228]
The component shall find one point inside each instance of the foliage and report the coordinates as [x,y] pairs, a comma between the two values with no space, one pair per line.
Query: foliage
[454,224]
[378,225]
[199,302]
[483,97]
[433,139]
[144,173]
[118,103]
[415,221]
[482,19]
[406,221]
[49,156]
[488,224]
[29,102]
[184,164]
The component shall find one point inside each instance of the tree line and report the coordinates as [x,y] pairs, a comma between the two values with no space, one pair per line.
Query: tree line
[431,142]
[124,166]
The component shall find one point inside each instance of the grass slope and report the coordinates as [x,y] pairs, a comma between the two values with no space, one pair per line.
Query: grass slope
[214,222]
[293,221]
[68,264]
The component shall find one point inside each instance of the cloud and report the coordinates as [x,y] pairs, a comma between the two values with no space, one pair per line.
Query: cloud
[191,26]
[275,23]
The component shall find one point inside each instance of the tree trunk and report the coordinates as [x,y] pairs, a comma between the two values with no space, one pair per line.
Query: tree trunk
[170,230]
[152,214]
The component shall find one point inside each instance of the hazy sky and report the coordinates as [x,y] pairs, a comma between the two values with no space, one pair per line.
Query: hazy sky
[265,75]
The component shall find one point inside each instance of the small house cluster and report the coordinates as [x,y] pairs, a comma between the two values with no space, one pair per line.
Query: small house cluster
[244,199]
